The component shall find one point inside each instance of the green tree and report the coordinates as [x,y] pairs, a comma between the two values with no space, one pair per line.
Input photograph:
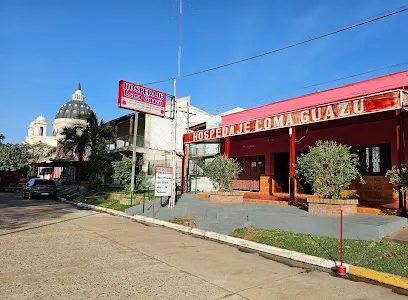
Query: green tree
[222,171]
[40,149]
[329,168]
[13,157]
[92,139]
[123,171]
[2,138]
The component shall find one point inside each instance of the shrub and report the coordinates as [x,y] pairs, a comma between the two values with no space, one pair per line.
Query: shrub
[123,171]
[222,171]
[398,177]
[329,168]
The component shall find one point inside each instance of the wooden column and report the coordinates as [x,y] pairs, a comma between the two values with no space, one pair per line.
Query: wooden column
[400,148]
[292,162]
[227,146]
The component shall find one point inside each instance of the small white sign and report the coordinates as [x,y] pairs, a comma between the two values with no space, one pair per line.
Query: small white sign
[163,181]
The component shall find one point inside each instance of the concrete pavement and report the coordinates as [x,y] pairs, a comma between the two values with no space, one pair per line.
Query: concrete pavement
[226,217]
[54,251]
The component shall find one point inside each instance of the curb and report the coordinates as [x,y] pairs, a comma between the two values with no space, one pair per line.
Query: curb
[380,277]
[384,278]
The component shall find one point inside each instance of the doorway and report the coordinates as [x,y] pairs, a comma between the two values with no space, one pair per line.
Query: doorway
[281,171]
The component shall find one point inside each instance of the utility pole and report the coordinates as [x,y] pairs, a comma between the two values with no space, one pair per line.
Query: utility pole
[187,153]
[132,182]
[174,134]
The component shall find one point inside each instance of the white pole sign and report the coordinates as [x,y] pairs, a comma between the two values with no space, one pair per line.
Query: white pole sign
[163,181]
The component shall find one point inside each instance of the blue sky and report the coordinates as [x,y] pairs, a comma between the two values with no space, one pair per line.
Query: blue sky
[46,47]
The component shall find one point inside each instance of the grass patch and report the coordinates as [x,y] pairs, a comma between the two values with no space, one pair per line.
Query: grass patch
[383,255]
[107,203]
[181,221]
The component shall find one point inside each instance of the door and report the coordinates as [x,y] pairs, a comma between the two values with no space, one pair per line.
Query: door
[281,172]
[257,168]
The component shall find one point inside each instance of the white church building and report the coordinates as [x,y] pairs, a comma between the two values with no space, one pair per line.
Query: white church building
[69,115]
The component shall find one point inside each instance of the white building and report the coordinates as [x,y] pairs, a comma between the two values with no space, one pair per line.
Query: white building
[196,181]
[154,135]
[68,115]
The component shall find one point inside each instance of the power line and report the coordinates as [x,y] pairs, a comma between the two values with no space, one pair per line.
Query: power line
[250,114]
[322,83]
[371,20]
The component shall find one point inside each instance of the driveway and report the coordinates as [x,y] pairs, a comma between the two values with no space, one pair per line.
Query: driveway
[51,250]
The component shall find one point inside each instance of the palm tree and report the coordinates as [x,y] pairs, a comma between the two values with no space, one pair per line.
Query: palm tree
[80,140]
[76,140]
[99,132]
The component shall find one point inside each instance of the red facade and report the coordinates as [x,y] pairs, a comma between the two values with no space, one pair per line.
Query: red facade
[267,140]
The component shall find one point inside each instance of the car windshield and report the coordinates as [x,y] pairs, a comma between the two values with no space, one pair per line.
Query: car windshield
[45,182]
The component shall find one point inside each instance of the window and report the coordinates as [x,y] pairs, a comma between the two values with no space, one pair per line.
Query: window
[41,131]
[374,159]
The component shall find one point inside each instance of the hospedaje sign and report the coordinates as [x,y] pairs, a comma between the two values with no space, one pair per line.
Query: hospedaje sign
[353,107]
[142,99]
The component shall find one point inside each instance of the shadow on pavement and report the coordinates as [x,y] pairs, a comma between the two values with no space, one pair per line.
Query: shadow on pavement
[16,212]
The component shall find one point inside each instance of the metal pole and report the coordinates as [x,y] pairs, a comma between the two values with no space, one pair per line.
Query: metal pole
[132,182]
[187,153]
[172,160]
[144,197]
[341,238]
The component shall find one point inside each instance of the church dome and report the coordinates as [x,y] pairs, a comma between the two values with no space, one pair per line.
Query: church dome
[75,108]
[40,119]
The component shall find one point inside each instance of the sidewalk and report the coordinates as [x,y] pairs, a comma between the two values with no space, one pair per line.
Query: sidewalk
[225,218]
[400,236]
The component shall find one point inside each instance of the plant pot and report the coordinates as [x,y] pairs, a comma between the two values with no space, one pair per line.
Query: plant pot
[227,197]
[332,206]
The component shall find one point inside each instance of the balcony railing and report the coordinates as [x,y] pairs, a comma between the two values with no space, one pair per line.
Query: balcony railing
[123,142]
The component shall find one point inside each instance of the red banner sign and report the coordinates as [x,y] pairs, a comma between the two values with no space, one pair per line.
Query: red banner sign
[142,99]
[344,109]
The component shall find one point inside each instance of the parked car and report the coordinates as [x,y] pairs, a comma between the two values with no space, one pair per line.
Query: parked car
[38,187]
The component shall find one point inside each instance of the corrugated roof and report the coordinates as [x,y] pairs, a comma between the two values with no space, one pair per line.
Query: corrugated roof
[398,80]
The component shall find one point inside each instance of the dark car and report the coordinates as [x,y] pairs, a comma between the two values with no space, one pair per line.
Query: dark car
[37,187]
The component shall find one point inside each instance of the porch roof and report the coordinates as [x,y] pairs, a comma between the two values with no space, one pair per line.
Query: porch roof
[398,80]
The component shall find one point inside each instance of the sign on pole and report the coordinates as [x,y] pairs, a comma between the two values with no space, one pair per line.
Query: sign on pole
[163,181]
[142,99]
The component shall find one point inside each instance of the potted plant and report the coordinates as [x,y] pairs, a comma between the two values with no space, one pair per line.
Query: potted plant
[222,171]
[329,168]
[398,177]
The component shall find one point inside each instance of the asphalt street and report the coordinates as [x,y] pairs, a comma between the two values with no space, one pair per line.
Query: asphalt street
[51,250]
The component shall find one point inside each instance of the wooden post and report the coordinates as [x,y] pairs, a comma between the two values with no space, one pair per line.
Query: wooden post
[400,148]
[227,146]
[292,162]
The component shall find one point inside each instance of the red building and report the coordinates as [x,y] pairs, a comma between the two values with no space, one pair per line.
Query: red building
[367,115]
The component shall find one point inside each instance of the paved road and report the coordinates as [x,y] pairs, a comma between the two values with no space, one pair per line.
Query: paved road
[51,250]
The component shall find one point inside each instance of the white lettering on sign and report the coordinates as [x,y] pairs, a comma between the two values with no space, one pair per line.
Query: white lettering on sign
[304,116]
[375,103]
